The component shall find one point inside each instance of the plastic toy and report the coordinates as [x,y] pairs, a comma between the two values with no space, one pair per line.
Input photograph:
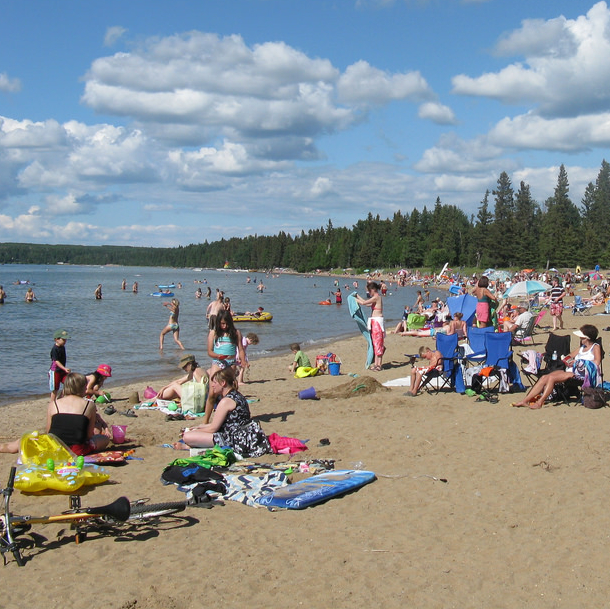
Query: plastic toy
[48,464]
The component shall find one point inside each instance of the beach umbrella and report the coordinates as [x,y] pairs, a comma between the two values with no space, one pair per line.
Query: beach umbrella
[526,288]
[466,304]
[594,276]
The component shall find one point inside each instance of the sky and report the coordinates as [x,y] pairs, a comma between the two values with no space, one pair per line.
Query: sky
[157,123]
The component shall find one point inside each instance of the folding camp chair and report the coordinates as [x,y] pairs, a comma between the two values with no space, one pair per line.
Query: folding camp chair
[571,390]
[556,344]
[476,341]
[539,317]
[580,307]
[444,377]
[523,335]
[499,356]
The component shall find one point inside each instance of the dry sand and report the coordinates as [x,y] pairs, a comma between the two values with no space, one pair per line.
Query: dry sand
[522,519]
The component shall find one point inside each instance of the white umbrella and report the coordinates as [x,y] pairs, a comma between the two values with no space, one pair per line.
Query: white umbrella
[526,288]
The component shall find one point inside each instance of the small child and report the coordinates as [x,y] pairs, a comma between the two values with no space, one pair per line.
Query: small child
[300,359]
[58,370]
[249,339]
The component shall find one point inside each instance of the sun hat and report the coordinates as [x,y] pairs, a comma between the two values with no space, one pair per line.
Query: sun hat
[104,370]
[590,334]
[61,334]
[186,359]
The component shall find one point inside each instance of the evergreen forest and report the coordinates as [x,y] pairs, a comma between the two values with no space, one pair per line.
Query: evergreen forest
[510,229]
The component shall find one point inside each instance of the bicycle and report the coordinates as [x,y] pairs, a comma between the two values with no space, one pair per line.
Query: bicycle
[119,512]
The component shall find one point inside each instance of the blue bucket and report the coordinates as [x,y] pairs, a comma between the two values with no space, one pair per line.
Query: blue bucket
[308,394]
[334,368]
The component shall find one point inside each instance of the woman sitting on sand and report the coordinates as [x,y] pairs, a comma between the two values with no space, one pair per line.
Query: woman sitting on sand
[231,424]
[72,419]
[586,359]
[194,372]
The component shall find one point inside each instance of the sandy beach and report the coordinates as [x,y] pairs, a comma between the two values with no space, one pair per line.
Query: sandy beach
[475,505]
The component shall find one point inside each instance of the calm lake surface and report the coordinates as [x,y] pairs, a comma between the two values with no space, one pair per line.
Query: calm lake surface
[123,328]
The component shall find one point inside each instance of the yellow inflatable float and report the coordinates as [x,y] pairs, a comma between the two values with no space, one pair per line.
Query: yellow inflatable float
[48,464]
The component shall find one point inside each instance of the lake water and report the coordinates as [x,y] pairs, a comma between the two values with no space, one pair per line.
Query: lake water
[123,328]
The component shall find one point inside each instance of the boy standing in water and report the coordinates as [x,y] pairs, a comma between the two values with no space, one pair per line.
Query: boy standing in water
[58,370]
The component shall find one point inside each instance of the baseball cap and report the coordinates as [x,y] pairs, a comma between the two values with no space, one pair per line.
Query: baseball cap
[61,334]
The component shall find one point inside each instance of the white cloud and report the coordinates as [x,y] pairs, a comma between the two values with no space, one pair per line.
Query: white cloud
[362,83]
[529,131]
[566,71]
[437,113]
[9,85]
[322,187]
[455,155]
[113,34]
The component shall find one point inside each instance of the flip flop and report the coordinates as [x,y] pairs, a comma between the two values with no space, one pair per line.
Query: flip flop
[110,410]
[129,413]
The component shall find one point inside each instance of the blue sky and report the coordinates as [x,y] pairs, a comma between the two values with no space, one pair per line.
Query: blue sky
[169,123]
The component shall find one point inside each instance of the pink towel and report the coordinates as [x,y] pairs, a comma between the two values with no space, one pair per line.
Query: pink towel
[284,445]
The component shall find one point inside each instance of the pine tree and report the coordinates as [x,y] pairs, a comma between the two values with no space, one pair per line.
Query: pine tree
[502,247]
[560,227]
[527,218]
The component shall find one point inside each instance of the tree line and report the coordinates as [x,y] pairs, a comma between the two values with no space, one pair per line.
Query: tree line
[510,229]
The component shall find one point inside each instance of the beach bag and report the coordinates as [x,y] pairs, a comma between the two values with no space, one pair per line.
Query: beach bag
[194,396]
[593,397]
[477,383]
[149,393]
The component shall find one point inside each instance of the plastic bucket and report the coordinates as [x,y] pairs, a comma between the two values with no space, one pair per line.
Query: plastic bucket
[308,394]
[118,433]
[334,368]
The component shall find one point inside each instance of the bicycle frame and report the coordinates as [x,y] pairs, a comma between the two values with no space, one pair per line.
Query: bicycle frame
[118,510]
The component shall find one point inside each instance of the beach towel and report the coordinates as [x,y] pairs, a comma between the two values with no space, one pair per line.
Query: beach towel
[534,360]
[356,312]
[246,489]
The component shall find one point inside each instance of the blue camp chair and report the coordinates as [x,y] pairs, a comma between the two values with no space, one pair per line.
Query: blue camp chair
[448,375]
[580,307]
[476,341]
[499,356]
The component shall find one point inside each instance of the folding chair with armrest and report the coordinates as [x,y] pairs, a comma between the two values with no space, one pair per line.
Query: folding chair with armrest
[499,355]
[555,344]
[580,307]
[446,375]
[571,390]
[476,341]
[523,334]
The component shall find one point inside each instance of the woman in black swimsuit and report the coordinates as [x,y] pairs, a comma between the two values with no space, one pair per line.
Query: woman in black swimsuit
[71,419]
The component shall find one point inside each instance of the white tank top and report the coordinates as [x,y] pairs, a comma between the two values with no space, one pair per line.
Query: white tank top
[586,355]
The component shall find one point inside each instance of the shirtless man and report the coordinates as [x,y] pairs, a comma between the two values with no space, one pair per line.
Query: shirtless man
[214,308]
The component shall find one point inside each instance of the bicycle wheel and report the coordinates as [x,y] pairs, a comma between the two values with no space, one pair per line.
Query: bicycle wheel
[141,511]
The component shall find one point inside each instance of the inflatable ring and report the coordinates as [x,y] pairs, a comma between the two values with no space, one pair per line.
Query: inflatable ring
[48,464]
